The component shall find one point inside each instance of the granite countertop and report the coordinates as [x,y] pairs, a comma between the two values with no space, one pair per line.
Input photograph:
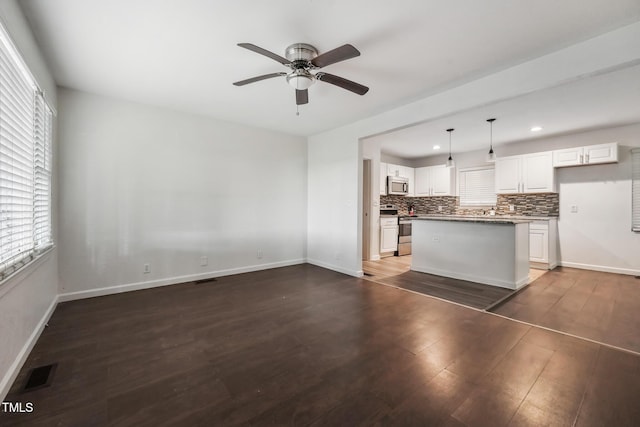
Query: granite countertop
[493,219]
[502,217]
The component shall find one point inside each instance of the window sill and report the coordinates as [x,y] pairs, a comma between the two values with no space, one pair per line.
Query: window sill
[25,271]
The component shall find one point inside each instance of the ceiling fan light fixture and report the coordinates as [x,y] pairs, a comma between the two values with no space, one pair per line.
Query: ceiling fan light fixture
[300,79]
[491,156]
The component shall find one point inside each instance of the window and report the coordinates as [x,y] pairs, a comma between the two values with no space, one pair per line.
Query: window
[635,191]
[477,187]
[25,163]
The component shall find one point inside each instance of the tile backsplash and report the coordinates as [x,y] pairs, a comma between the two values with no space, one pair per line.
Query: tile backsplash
[533,204]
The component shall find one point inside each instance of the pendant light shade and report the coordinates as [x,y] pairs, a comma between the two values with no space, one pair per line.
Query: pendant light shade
[491,156]
[450,163]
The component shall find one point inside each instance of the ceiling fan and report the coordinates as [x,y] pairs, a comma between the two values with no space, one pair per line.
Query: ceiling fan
[302,59]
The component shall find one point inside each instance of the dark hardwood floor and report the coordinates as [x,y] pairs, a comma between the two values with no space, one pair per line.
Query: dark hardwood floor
[302,345]
[600,306]
[463,292]
[396,271]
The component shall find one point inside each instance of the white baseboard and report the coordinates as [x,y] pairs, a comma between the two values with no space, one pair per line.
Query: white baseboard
[375,258]
[355,273]
[603,268]
[116,289]
[14,369]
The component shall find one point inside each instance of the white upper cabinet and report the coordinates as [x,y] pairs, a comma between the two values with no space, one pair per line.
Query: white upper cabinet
[602,153]
[423,182]
[383,179]
[441,181]
[529,173]
[589,155]
[434,181]
[393,170]
[568,157]
[538,173]
[508,174]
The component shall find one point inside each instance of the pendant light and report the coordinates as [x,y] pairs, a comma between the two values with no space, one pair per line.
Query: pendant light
[450,163]
[491,156]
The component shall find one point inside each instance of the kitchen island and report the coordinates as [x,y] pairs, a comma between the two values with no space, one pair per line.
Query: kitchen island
[489,250]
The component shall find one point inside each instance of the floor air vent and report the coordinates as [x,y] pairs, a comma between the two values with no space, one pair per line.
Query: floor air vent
[40,377]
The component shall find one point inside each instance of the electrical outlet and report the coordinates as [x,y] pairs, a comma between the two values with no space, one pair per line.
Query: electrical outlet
[147,269]
[204,261]
[259,254]
[439,208]
[574,208]
[512,208]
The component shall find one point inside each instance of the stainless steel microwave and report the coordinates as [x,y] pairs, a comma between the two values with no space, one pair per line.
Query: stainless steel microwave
[397,185]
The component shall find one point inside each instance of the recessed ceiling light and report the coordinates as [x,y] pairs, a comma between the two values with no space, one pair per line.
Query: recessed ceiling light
[536,129]
[436,147]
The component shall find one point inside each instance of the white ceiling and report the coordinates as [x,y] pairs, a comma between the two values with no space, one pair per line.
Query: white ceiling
[182,54]
[606,100]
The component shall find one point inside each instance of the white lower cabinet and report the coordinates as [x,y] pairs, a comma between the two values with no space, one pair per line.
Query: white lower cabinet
[388,235]
[542,244]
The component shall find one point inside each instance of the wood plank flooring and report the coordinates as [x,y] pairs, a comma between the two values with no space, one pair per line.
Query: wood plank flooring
[471,294]
[599,306]
[305,346]
[396,271]
[385,267]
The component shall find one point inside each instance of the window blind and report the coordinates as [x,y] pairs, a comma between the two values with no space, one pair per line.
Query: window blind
[25,163]
[635,189]
[477,187]
[42,175]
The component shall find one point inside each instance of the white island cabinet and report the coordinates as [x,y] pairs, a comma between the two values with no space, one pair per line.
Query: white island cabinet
[482,250]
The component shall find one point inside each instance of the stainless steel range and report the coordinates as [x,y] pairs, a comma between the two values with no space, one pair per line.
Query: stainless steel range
[404,236]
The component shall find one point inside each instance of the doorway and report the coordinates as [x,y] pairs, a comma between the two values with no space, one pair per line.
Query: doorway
[366,209]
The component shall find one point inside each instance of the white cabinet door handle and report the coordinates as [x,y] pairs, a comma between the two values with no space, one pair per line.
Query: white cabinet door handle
[586,156]
[581,157]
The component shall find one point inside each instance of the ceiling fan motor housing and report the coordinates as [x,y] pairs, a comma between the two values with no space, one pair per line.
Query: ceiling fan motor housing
[300,55]
[301,52]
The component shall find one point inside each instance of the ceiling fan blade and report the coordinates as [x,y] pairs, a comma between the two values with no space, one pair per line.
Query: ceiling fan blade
[258,78]
[265,52]
[343,83]
[302,96]
[338,54]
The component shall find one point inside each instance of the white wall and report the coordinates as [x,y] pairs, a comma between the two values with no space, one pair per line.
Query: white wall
[335,203]
[340,152]
[28,298]
[599,235]
[143,185]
